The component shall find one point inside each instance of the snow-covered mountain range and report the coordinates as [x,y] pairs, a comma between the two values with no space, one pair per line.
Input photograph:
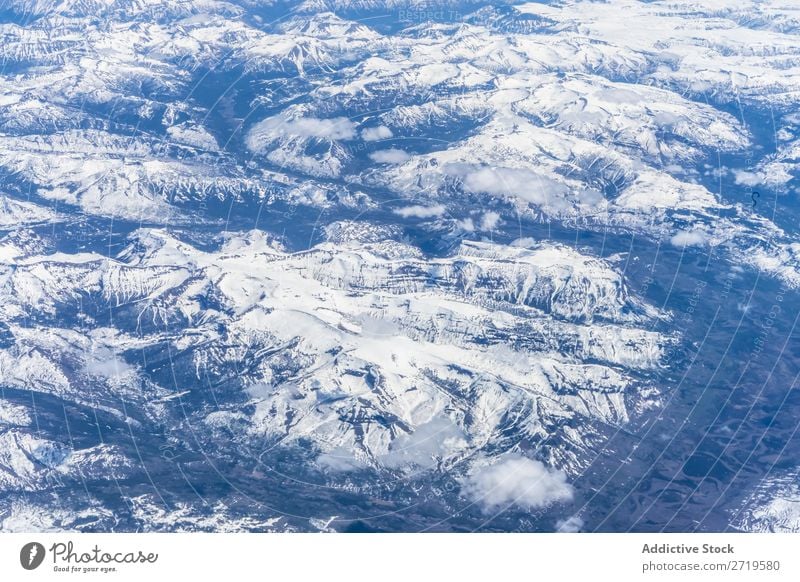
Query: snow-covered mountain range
[398,265]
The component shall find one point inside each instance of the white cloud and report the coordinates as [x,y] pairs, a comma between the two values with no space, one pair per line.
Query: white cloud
[570,525]
[490,221]
[334,128]
[432,441]
[339,460]
[516,480]
[525,242]
[590,197]
[104,362]
[376,133]
[747,178]
[466,225]
[390,156]
[421,211]
[513,182]
[689,238]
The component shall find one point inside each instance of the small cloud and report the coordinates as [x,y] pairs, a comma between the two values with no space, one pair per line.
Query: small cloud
[747,178]
[376,133]
[466,225]
[105,363]
[689,238]
[339,460]
[335,128]
[525,242]
[513,182]
[426,446]
[390,156]
[570,525]
[490,221]
[590,197]
[421,211]
[516,480]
